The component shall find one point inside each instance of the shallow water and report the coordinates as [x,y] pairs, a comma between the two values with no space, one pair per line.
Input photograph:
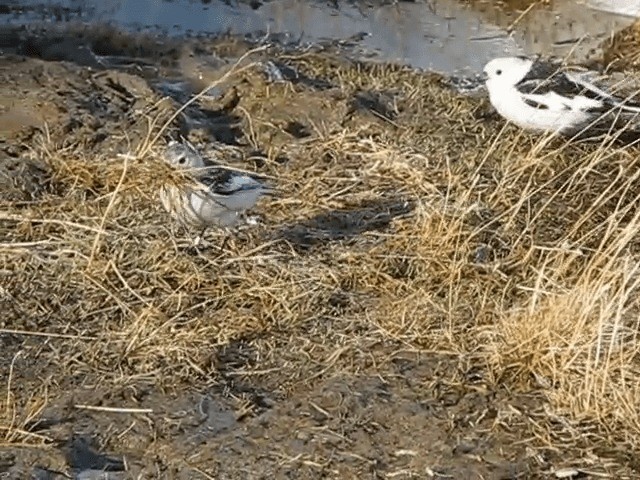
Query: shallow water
[443,35]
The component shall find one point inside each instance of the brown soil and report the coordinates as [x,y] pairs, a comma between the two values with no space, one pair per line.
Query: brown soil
[413,306]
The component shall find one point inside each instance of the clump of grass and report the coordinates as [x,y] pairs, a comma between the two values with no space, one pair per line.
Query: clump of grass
[576,332]
[622,50]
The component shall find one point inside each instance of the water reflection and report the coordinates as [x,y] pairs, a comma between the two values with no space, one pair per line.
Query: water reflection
[443,35]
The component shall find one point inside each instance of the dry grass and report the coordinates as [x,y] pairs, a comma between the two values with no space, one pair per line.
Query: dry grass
[622,50]
[435,228]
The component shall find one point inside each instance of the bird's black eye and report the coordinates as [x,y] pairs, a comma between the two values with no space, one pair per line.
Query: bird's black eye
[498,72]
[182,160]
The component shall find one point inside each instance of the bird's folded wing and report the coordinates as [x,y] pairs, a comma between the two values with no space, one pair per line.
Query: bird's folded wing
[558,103]
[560,85]
[204,194]
[217,180]
[549,78]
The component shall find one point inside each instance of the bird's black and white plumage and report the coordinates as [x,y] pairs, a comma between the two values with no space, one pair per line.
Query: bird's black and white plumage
[541,96]
[213,195]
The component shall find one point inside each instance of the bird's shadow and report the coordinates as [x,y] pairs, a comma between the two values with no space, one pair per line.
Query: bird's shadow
[338,225]
[81,455]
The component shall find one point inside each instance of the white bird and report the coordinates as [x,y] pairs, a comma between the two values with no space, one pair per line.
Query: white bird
[212,196]
[539,96]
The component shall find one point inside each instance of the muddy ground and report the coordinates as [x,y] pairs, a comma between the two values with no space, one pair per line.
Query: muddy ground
[324,385]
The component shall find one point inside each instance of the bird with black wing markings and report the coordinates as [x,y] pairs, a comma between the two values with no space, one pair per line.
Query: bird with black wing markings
[543,97]
[211,195]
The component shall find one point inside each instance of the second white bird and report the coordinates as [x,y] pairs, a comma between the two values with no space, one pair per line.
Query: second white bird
[539,96]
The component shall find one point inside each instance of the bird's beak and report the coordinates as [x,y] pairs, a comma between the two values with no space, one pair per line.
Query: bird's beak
[483,76]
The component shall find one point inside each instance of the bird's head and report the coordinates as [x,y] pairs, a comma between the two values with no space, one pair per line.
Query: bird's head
[182,155]
[506,72]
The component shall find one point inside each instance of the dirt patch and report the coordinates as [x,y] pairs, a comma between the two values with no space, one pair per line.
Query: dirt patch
[433,296]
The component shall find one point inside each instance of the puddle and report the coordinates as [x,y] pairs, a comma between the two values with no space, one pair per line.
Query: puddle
[442,35]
